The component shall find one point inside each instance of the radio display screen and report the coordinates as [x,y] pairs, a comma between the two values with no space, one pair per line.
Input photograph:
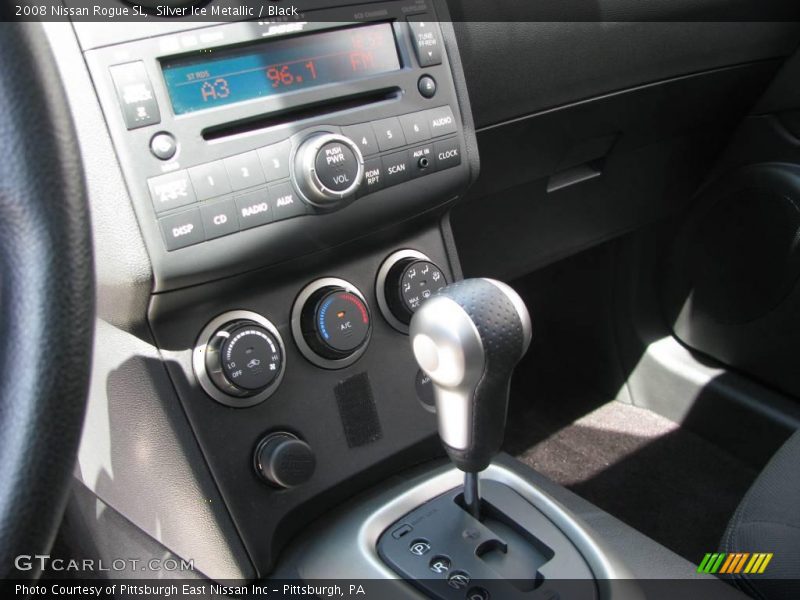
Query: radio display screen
[231,75]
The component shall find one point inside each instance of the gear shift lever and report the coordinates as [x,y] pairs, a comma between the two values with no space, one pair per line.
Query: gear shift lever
[468,338]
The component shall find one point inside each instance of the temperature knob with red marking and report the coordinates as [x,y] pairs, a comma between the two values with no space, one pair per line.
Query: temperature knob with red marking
[335,322]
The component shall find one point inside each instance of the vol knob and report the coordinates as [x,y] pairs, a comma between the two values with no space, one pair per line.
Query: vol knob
[328,168]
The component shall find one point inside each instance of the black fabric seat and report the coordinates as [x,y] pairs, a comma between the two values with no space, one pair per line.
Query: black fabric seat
[768,520]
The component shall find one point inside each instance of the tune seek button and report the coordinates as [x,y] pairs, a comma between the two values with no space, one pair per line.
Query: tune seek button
[336,166]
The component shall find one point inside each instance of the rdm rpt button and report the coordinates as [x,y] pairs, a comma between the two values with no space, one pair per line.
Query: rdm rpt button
[336,166]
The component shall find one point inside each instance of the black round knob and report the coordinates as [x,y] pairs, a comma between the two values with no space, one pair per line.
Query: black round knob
[243,358]
[409,282]
[335,322]
[284,460]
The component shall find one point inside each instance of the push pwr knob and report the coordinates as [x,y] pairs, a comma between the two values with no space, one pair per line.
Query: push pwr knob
[328,168]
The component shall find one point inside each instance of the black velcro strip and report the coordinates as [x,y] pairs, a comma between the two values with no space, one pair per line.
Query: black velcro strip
[357,411]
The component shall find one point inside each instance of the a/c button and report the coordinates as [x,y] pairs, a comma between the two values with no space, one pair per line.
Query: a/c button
[219,218]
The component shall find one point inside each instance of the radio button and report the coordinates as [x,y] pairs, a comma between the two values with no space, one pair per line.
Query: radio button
[254,208]
[389,134]
[441,121]
[172,190]
[219,218]
[427,41]
[415,127]
[285,201]
[447,153]
[210,180]
[363,136]
[244,170]
[181,230]
[135,95]
[373,176]
[423,160]
[396,168]
[275,160]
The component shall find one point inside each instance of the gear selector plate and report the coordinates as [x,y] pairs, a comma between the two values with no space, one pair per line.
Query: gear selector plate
[513,551]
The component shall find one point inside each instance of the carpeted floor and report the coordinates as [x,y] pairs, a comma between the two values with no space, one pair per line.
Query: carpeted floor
[664,481]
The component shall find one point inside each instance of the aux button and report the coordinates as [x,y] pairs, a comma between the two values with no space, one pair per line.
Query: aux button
[328,168]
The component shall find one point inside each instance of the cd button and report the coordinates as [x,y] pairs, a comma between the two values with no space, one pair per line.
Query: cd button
[181,230]
[275,160]
[219,218]
[415,126]
[441,121]
[363,136]
[172,190]
[244,170]
[210,180]
[396,168]
[285,201]
[336,166]
[389,134]
[254,208]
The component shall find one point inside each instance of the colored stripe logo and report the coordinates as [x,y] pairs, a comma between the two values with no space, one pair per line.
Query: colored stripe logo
[735,562]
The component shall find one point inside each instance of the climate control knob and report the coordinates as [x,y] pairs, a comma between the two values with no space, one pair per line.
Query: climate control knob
[239,359]
[331,323]
[405,280]
[328,169]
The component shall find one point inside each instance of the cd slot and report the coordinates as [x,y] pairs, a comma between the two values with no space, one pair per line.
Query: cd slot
[300,113]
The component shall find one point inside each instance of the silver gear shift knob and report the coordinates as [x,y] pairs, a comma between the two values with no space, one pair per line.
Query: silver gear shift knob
[468,338]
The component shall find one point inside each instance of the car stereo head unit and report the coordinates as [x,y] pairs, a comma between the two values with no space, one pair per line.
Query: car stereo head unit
[250,143]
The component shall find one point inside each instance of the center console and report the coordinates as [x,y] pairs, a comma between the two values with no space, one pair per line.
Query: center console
[291,181]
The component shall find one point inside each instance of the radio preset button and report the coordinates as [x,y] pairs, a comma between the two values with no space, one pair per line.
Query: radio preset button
[275,160]
[441,121]
[427,41]
[447,153]
[389,133]
[415,127]
[363,136]
[254,208]
[172,190]
[181,230]
[284,199]
[135,95]
[219,218]
[210,180]
[244,170]
[396,168]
